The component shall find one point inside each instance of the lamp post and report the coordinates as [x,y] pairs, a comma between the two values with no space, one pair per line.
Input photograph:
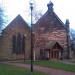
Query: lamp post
[31,7]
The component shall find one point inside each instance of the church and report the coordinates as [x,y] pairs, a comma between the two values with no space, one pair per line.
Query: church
[15,40]
[51,38]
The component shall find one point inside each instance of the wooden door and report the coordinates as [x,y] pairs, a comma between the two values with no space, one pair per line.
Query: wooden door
[54,54]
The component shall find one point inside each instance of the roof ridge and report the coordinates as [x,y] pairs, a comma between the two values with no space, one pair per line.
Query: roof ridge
[16,19]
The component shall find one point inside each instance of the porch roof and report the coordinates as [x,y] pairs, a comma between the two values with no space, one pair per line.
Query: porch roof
[51,44]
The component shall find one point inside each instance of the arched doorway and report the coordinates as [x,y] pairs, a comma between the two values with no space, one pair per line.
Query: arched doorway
[54,52]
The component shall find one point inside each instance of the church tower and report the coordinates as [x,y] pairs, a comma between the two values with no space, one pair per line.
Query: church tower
[68,38]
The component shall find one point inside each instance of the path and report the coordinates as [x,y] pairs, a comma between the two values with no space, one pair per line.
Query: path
[49,71]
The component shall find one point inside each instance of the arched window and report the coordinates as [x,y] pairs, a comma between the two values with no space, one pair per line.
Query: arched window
[23,44]
[13,44]
[19,44]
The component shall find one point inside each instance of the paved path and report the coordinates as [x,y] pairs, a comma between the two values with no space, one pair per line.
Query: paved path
[67,62]
[49,71]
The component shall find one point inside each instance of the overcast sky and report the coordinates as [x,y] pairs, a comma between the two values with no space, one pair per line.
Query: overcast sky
[65,9]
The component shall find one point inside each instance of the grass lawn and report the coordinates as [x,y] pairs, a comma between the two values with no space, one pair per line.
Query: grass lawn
[55,64]
[13,70]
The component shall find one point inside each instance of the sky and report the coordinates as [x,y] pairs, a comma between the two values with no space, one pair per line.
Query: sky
[65,9]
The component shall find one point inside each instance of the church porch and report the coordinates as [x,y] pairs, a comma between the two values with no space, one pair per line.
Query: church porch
[54,53]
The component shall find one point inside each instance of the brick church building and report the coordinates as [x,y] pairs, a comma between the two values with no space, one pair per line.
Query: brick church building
[51,38]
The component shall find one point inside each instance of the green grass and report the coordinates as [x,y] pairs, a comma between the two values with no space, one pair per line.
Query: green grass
[56,65]
[13,70]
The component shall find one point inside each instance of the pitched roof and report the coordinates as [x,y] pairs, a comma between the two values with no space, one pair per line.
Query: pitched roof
[18,20]
[51,44]
[48,18]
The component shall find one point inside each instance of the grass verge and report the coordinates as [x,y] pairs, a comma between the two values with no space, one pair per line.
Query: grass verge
[13,70]
[55,64]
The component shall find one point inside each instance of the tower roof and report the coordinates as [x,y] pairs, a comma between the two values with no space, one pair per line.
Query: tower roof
[50,6]
[67,22]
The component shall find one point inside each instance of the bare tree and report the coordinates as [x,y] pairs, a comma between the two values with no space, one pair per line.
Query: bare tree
[37,15]
[2,18]
[72,34]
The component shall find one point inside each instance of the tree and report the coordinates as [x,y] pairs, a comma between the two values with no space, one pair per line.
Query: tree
[72,34]
[2,16]
[37,15]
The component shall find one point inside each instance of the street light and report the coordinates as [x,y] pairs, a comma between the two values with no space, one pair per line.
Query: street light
[31,8]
